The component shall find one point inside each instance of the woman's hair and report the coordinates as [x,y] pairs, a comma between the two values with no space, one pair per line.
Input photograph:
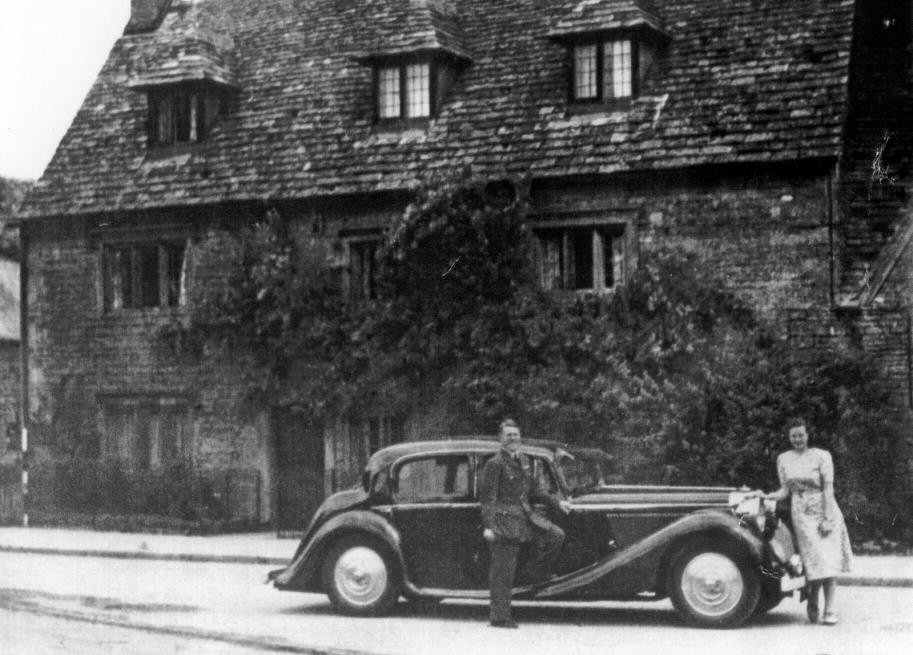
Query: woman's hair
[795,422]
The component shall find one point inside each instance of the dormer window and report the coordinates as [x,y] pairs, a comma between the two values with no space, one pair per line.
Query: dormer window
[404,91]
[613,48]
[181,114]
[604,71]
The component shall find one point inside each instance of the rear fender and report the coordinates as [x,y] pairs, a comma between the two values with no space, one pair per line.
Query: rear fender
[303,574]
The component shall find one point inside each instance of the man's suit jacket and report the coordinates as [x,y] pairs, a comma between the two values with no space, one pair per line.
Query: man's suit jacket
[506,485]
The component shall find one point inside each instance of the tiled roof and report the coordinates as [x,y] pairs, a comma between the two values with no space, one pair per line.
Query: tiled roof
[587,16]
[744,81]
[405,26]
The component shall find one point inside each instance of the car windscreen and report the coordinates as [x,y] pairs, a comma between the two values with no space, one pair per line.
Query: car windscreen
[587,470]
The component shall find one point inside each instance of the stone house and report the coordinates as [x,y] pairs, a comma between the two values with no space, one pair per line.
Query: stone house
[771,137]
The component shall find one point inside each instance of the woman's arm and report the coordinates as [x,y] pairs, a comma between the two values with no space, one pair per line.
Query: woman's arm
[828,501]
[783,492]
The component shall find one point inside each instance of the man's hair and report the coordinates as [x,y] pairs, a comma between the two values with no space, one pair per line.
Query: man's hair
[795,422]
[507,423]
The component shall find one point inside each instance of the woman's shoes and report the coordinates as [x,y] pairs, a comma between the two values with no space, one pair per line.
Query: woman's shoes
[829,618]
[812,611]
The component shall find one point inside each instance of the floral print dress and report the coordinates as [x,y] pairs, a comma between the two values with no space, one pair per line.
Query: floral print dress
[805,474]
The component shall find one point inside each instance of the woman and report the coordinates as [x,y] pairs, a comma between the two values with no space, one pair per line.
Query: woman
[807,479]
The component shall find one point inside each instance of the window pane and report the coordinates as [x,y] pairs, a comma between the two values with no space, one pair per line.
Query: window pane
[585,71]
[388,93]
[418,90]
[551,261]
[174,274]
[165,119]
[146,269]
[363,269]
[581,254]
[618,69]
[182,103]
[119,283]
[438,479]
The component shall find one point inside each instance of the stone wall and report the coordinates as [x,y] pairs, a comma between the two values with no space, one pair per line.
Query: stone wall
[79,356]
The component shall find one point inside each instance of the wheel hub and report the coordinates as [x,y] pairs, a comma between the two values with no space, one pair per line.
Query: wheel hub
[360,575]
[712,584]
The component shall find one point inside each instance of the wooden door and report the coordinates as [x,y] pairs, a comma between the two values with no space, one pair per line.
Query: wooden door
[299,469]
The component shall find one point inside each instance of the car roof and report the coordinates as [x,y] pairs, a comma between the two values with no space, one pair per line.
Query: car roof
[477,443]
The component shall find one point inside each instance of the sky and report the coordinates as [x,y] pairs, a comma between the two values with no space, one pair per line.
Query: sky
[50,53]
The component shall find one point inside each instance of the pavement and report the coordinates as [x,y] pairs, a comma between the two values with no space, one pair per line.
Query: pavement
[267,549]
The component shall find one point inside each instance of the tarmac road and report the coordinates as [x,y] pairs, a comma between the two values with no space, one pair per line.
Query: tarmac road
[185,603]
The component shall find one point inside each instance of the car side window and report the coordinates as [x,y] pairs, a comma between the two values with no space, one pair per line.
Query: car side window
[433,480]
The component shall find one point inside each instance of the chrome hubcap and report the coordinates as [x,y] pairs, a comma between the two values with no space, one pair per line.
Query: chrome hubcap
[712,584]
[360,576]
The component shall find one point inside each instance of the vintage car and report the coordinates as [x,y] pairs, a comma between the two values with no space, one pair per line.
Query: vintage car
[413,528]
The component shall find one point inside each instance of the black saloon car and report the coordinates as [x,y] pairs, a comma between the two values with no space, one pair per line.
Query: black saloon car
[413,528]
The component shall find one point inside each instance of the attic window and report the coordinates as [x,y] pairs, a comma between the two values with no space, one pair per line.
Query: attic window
[181,115]
[604,70]
[405,91]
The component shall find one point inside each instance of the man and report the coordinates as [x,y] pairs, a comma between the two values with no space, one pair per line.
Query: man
[505,487]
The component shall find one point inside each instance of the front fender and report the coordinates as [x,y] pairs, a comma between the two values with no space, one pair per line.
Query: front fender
[303,573]
[641,566]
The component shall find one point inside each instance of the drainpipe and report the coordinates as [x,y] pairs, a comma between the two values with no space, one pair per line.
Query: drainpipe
[831,258]
[909,360]
[24,368]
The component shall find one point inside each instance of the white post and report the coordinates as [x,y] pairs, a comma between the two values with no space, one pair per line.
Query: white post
[25,477]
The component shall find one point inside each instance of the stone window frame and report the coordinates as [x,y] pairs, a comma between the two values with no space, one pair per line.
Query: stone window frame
[172,290]
[616,228]
[360,281]
[132,429]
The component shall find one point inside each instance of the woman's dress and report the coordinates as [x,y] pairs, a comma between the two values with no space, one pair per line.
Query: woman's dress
[804,475]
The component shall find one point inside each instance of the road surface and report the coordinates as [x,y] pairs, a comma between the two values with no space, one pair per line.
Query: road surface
[177,605]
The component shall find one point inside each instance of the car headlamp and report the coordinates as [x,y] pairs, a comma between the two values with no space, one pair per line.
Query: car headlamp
[750,508]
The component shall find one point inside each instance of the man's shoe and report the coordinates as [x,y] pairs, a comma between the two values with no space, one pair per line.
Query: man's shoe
[504,623]
[830,618]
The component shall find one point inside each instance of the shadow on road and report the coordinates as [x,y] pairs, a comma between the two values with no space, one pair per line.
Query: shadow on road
[554,613]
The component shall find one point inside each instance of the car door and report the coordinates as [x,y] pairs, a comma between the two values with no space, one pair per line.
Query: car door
[438,520]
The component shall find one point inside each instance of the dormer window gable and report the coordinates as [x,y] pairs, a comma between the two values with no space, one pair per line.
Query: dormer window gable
[188,88]
[611,46]
[416,50]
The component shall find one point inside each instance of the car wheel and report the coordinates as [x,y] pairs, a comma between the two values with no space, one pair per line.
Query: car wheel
[360,578]
[713,587]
